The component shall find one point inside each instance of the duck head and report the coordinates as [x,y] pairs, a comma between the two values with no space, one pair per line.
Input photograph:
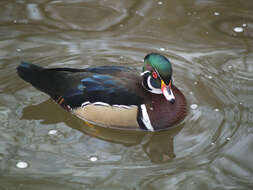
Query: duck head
[157,76]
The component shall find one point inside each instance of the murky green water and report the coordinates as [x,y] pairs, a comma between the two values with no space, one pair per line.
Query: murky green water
[210,44]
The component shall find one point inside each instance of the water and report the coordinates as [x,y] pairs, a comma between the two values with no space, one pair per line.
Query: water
[210,46]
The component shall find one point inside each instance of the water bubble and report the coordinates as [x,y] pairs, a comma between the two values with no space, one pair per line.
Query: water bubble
[160,3]
[191,92]
[230,67]
[244,25]
[216,110]
[18,50]
[238,29]
[195,82]
[194,106]
[240,103]
[212,143]
[207,32]
[162,49]
[15,21]
[22,164]
[93,158]
[137,12]
[216,13]
[53,132]
[210,77]
[228,138]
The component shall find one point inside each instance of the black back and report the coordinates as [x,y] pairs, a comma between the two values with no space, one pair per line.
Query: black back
[107,84]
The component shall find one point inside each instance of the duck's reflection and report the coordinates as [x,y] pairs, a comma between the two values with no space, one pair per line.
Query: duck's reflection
[159,146]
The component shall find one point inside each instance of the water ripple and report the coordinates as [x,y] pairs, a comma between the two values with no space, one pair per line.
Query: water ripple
[210,46]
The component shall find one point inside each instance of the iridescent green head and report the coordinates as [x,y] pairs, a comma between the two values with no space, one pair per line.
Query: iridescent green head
[160,64]
[157,75]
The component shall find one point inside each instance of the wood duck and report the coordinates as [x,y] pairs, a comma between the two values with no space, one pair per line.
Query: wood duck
[116,97]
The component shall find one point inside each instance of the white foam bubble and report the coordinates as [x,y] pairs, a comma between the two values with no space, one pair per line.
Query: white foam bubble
[22,164]
[93,158]
[216,13]
[194,106]
[238,29]
[53,132]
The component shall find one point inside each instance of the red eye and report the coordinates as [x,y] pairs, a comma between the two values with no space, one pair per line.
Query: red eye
[154,74]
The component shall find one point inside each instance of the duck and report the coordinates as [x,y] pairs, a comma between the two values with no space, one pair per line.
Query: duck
[116,97]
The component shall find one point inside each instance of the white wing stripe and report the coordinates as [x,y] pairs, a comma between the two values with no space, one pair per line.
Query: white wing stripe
[106,105]
[85,104]
[100,104]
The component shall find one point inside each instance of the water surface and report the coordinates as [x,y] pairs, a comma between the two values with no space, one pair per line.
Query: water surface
[210,46]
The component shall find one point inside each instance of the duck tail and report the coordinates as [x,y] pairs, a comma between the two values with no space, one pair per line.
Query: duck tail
[29,72]
[38,77]
[48,80]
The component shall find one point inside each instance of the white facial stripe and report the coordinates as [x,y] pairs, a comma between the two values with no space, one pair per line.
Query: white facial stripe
[145,118]
[153,90]
[168,96]
[143,73]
